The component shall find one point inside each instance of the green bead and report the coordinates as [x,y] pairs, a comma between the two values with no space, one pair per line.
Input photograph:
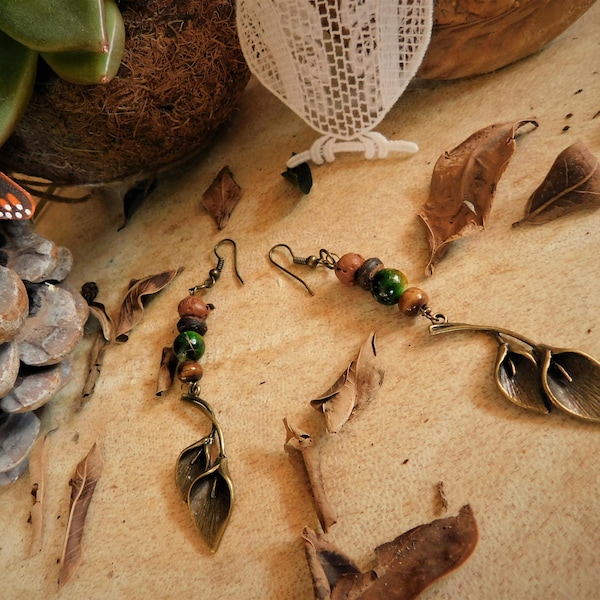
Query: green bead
[188,345]
[388,285]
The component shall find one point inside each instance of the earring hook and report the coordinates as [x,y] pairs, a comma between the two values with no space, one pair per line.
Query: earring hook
[215,273]
[325,258]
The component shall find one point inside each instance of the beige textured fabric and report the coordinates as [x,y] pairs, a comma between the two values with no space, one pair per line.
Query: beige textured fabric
[532,481]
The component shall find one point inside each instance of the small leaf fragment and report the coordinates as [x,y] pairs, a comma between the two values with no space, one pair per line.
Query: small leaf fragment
[132,308]
[38,464]
[83,484]
[303,451]
[221,197]
[571,184]
[325,562]
[299,176]
[166,371]
[463,185]
[356,386]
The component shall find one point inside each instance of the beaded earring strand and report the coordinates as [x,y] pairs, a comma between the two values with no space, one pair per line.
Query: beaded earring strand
[201,474]
[533,376]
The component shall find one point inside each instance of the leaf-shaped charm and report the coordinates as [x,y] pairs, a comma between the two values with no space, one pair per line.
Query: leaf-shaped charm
[518,377]
[193,462]
[572,183]
[463,185]
[572,381]
[210,501]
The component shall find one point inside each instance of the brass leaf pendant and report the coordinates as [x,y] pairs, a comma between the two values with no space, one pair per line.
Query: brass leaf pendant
[202,478]
[537,377]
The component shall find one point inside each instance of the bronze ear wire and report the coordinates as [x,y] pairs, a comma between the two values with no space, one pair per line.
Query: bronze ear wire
[201,473]
[533,376]
[325,259]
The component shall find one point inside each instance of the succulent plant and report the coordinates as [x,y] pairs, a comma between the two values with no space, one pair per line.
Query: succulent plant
[81,40]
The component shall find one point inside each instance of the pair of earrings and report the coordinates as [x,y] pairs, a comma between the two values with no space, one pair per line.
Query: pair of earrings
[534,376]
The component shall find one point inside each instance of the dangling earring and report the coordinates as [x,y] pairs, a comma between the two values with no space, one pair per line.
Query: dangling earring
[533,376]
[202,474]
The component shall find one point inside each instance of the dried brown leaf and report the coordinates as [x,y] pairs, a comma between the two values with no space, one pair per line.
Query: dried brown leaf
[369,372]
[356,386]
[96,361]
[405,566]
[132,308]
[325,562]
[303,451]
[38,463]
[463,184]
[83,484]
[221,197]
[338,402]
[98,310]
[572,184]
[166,372]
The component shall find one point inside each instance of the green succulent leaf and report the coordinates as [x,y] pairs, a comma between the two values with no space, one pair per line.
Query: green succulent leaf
[55,25]
[92,67]
[18,66]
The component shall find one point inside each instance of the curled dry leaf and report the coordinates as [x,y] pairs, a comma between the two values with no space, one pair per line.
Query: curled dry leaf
[405,566]
[132,308]
[302,450]
[356,386]
[221,197]
[573,183]
[166,371]
[463,184]
[83,484]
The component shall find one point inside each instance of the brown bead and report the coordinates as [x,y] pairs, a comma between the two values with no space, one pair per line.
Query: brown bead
[367,270]
[412,301]
[190,371]
[346,268]
[194,306]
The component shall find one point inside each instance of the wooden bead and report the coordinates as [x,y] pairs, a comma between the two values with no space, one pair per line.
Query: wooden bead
[346,268]
[194,306]
[366,272]
[192,324]
[190,371]
[412,301]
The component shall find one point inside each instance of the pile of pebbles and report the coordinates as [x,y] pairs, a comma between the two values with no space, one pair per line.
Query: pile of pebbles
[41,320]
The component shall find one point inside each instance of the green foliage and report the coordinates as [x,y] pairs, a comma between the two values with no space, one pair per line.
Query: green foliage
[81,40]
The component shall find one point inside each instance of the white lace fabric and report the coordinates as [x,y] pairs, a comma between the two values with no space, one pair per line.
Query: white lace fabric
[339,64]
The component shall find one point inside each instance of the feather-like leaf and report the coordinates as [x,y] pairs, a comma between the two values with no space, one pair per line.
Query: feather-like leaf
[83,484]
[132,308]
